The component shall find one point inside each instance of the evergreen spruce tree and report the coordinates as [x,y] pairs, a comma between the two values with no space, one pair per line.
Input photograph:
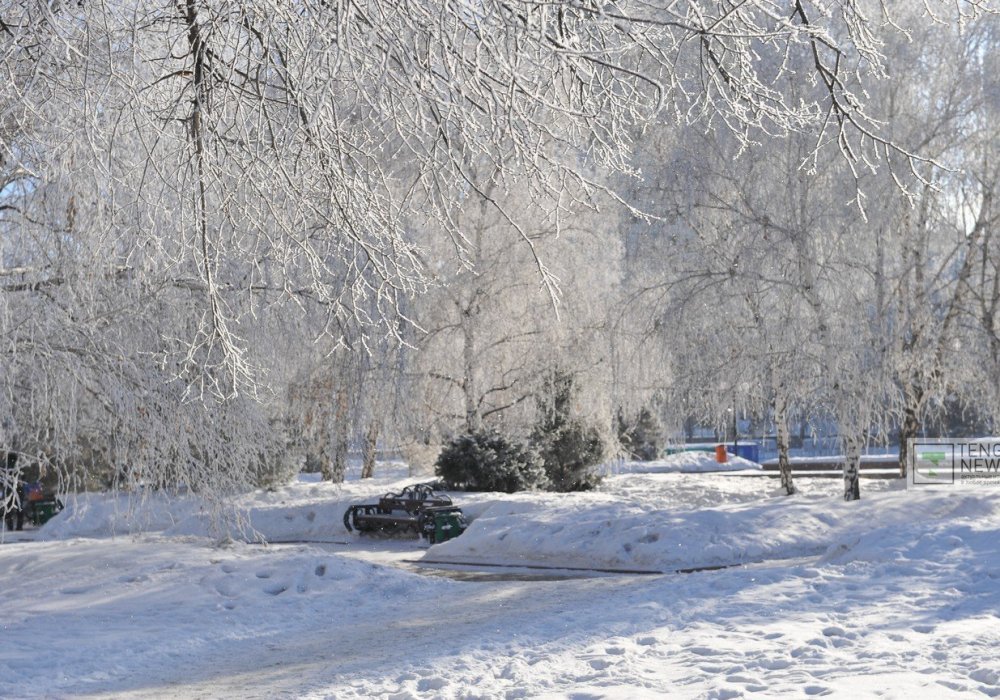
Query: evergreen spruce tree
[639,437]
[570,450]
[489,461]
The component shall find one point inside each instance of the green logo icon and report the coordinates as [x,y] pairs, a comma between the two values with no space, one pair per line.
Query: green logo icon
[934,458]
[932,463]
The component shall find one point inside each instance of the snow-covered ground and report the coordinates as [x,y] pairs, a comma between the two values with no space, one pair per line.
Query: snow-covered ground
[897,595]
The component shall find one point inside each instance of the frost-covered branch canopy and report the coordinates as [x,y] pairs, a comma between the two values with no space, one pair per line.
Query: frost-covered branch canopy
[176,176]
[274,145]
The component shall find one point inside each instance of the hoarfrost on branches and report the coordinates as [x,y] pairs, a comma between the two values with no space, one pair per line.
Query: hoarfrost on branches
[176,179]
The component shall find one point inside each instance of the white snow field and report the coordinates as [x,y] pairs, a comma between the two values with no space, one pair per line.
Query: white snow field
[895,596]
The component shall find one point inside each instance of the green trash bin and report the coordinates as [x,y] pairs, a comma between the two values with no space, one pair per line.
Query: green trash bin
[44,510]
[444,523]
[448,525]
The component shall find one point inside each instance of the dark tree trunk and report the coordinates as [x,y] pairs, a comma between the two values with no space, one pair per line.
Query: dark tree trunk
[368,457]
[907,431]
[340,436]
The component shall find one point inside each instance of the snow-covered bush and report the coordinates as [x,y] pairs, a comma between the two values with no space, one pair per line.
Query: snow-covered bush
[278,466]
[489,461]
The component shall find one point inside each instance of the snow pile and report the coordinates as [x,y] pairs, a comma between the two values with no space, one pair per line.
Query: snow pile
[659,522]
[551,531]
[305,510]
[311,510]
[106,515]
[690,463]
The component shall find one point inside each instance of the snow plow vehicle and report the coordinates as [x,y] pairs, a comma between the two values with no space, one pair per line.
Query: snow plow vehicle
[416,508]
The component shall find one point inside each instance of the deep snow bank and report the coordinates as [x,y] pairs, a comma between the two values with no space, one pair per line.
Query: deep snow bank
[304,510]
[570,532]
[690,463]
[641,521]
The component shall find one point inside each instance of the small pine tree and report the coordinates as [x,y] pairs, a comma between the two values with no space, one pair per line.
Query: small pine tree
[639,437]
[490,462]
[570,450]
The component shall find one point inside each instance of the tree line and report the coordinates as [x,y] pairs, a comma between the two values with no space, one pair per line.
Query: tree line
[237,238]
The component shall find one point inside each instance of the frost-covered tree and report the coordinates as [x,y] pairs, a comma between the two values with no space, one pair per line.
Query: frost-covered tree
[931,245]
[778,282]
[173,172]
[571,450]
[488,332]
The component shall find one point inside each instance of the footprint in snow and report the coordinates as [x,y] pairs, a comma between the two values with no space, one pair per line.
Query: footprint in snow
[814,690]
[985,676]
[275,589]
[78,590]
[704,651]
[951,685]
[226,589]
[751,684]
[724,694]
[428,684]
[712,670]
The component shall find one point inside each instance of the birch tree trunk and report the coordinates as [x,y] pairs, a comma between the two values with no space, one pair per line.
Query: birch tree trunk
[852,465]
[783,439]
